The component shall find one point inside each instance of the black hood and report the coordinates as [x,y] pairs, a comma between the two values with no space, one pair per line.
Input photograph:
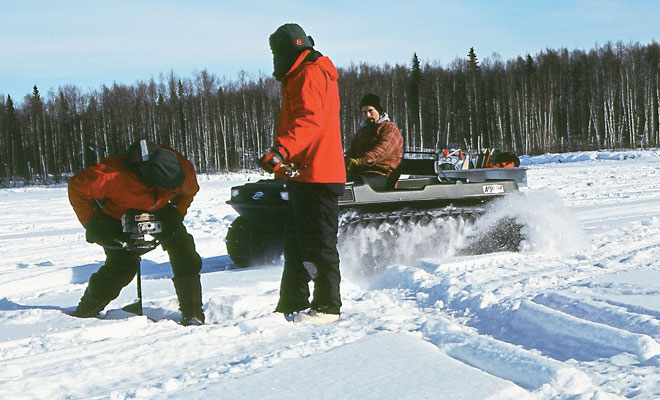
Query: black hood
[286,43]
[154,165]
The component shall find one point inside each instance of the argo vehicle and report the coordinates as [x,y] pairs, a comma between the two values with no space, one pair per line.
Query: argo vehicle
[428,186]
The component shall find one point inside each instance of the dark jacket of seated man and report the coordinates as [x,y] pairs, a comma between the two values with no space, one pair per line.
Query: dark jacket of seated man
[377,147]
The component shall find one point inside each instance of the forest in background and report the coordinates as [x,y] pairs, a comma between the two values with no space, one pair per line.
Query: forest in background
[556,101]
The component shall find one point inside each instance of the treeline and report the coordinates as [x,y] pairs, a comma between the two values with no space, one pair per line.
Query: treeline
[555,101]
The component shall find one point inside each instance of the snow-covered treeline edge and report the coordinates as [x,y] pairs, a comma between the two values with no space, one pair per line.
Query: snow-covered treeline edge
[602,155]
[525,160]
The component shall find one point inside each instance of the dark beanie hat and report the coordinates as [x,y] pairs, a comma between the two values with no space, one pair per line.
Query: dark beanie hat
[286,43]
[154,165]
[371,100]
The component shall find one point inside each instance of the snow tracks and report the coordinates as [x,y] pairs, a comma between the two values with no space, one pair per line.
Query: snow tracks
[557,327]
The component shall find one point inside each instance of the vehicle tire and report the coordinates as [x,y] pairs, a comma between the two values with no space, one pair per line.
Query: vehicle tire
[248,246]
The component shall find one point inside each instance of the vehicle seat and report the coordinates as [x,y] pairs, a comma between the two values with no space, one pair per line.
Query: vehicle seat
[408,166]
[370,180]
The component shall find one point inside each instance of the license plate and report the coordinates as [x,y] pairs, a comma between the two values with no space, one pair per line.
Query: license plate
[493,189]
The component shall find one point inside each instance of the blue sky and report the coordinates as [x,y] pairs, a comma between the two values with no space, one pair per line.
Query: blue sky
[90,43]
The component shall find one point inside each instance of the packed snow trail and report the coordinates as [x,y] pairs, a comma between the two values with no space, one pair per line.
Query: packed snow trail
[574,315]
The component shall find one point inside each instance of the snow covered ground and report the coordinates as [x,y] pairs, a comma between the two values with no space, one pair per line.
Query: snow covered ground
[574,315]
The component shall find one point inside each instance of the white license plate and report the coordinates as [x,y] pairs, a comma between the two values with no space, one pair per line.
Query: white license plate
[493,189]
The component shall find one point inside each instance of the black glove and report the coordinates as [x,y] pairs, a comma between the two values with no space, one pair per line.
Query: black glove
[104,230]
[273,160]
[169,218]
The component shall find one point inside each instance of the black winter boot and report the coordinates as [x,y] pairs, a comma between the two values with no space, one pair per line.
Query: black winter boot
[89,306]
[189,292]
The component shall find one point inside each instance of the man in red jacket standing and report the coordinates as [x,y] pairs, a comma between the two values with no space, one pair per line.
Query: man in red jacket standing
[308,152]
[150,178]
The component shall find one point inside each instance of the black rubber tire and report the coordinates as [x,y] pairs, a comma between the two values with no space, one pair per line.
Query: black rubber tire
[248,246]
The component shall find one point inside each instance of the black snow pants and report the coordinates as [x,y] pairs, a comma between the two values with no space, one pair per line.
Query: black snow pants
[121,266]
[310,248]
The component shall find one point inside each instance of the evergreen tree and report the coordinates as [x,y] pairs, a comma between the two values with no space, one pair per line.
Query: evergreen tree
[414,102]
[17,166]
[4,145]
[38,134]
[478,133]
[182,142]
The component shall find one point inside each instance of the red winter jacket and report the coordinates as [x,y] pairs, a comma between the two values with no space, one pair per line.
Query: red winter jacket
[119,190]
[308,127]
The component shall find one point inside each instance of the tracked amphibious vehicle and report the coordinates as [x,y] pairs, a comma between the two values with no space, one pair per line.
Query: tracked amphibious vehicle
[428,187]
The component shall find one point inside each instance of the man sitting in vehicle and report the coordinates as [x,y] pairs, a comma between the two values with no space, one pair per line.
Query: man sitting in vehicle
[377,147]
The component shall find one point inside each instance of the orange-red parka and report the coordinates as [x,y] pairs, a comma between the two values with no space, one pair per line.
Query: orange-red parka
[308,127]
[118,190]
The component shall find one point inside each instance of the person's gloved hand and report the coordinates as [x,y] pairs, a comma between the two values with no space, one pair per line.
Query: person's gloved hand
[353,163]
[169,218]
[273,160]
[104,230]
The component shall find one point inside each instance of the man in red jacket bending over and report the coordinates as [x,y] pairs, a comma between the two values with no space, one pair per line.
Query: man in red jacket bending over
[151,178]
[308,152]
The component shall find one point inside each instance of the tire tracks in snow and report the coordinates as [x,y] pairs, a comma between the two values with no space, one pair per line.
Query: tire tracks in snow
[545,318]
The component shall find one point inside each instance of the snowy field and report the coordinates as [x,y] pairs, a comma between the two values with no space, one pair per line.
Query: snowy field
[574,315]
